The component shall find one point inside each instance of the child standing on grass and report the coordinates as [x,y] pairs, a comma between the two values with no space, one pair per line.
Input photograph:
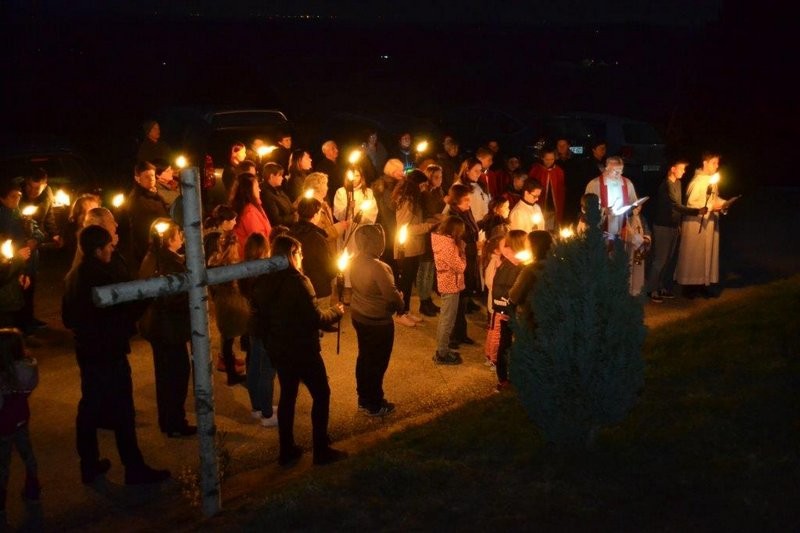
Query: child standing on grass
[19,375]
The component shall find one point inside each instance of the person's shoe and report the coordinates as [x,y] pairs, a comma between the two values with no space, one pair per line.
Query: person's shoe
[415,318]
[667,295]
[270,422]
[426,308]
[436,308]
[453,345]
[406,321]
[449,359]
[329,455]
[91,472]
[467,341]
[291,456]
[656,298]
[382,410]
[236,379]
[142,475]
[185,431]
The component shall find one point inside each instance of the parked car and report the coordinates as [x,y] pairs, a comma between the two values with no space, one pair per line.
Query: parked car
[639,143]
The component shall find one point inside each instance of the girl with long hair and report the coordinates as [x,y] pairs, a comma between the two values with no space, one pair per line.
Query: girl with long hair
[246,202]
[450,260]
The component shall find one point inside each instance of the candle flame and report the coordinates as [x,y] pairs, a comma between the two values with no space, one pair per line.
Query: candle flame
[309,194]
[351,175]
[366,204]
[422,146]
[402,234]
[524,256]
[118,200]
[714,178]
[344,259]
[181,161]
[354,157]
[536,218]
[29,210]
[566,233]
[162,227]
[61,198]
[7,249]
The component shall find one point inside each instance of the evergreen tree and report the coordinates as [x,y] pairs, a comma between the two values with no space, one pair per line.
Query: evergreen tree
[578,364]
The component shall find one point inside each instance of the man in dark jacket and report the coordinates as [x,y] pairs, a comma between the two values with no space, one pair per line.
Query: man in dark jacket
[669,211]
[102,347]
[288,320]
[276,203]
[328,164]
[318,263]
[144,206]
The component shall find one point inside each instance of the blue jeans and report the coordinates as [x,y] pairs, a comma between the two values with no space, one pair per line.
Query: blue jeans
[260,377]
[447,319]
[425,279]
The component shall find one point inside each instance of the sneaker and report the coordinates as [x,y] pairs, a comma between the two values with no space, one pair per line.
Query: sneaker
[92,472]
[415,318]
[329,455]
[667,295]
[488,362]
[142,475]
[256,414]
[383,410]
[270,422]
[290,456]
[405,320]
[656,297]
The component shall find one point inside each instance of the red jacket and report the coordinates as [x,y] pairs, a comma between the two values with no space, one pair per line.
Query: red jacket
[252,219]
[497,182]
[552,180]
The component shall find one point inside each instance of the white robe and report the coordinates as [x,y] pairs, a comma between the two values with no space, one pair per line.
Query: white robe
[615,199]
[340,211]
[521,217]
[698,258]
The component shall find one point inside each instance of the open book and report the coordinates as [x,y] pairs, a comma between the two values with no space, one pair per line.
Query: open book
[625,208]
[727,204]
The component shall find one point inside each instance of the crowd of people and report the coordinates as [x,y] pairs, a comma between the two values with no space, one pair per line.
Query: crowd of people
[469,231]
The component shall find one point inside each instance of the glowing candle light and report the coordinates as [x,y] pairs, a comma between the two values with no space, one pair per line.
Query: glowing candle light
[351,175]
[366,204]
[566,233]
[354,157]
[118,200]
[181,161]
[402,234]
[524,256]
[61,198]
[309,194]
[7,249]
[342,261]
[162,227]
[422,146]
[536,219]
[29,210]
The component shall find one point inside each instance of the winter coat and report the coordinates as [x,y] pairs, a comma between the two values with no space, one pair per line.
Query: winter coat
[318,263]
[101,334]
[287,318]
[450,264]
[144,206]
[252,219]
[45,216]
[278,206]
[375,298]
[166,319]
[408,213]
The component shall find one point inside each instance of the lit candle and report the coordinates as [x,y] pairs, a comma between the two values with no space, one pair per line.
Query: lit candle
[524,256]
[162,227]
[309,194]
[344,259]
[536,219]
[118,200]
[566,233]
[354,157]
[61,198]
[29,210]
[402,235]
[422,146]
[181,161]
[7,249]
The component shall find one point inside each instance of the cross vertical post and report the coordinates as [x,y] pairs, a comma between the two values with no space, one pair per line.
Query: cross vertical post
[198,309]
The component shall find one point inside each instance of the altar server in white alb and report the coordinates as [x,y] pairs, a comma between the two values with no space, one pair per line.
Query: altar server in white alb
[527,215]
[698,259]
[615,192]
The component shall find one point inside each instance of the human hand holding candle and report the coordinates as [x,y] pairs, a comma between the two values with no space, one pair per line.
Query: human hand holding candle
[536,220]
[402,237]
[422,147]
[118,200]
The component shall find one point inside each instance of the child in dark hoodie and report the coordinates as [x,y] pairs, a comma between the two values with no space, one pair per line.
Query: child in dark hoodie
[19,375]
[375,299]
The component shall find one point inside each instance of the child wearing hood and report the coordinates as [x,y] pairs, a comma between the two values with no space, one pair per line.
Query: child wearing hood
[375,299]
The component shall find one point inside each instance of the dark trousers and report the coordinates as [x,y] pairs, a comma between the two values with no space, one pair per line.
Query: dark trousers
[172,369]
[228,355]
[665,246]
[310,370]
[460,327]
[107,402]
[406,273]
[374,349]
[504,347]
[26,317]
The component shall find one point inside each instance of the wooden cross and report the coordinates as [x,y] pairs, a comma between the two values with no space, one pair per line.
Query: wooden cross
[195,282]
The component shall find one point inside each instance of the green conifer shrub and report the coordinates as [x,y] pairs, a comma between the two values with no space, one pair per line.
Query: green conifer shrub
[578,366]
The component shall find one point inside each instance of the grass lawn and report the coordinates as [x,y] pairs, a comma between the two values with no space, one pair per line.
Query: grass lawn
[712,445]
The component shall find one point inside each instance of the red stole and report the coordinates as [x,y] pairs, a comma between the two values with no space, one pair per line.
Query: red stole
[604,200]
